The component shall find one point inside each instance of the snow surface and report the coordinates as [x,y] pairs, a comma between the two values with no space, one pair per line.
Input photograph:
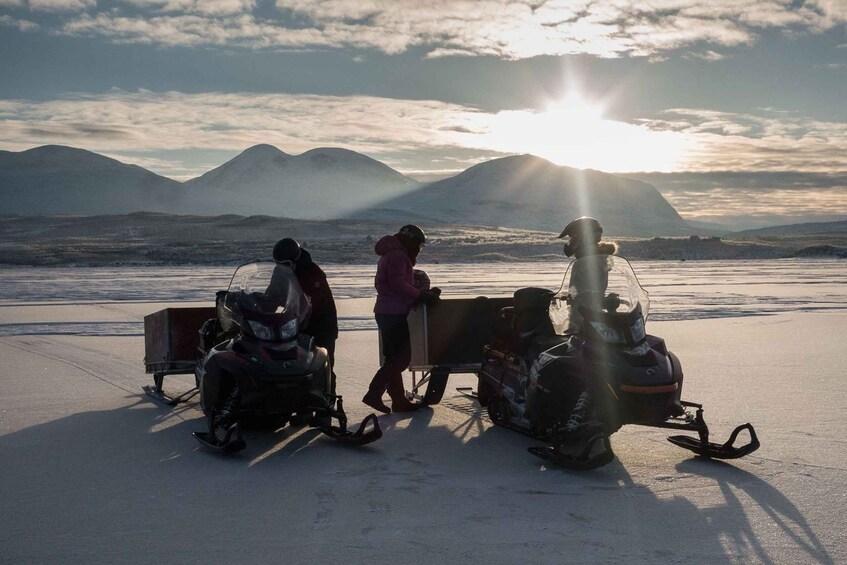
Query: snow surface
[92,471]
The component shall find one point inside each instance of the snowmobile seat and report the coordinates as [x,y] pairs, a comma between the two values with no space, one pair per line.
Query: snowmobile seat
[504,327]
[531,317]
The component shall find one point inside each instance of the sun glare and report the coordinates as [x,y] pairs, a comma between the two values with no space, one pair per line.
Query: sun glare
[573,132]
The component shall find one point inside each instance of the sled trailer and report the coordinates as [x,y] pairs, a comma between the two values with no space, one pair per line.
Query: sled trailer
[171,342]
[448,337]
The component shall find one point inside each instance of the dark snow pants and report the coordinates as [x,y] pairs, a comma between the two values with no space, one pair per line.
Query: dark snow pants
[396,350]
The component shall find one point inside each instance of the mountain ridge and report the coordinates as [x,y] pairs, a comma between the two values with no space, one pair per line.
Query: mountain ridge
[526,191]
[520,191]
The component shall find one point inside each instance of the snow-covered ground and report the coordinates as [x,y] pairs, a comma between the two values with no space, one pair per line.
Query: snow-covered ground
[92,471]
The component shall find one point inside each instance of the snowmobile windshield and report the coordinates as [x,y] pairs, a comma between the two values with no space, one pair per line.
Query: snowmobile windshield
[599,283]
[266,301]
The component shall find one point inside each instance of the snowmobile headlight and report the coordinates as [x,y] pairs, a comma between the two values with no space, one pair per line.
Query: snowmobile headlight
[288,330]
[260,330]
[609,335]
[637,330]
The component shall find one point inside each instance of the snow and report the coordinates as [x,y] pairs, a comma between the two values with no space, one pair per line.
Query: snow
[93,471]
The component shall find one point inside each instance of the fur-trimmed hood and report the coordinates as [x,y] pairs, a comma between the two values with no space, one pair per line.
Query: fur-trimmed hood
[602,248]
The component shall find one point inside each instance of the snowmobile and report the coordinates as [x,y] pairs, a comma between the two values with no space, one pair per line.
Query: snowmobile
[571,367]
[258,368]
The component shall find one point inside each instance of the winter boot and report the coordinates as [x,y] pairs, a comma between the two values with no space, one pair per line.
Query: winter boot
[397,392]
[376,389]
[374,400]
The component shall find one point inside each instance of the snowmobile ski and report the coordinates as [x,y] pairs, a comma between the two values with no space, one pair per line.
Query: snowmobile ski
[359,437]
[704,448]
[160,395]
[226,446]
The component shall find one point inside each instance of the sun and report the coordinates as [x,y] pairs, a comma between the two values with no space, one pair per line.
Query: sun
[573,131]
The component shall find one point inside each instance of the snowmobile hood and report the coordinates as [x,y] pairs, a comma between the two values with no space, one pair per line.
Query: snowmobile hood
[386,244]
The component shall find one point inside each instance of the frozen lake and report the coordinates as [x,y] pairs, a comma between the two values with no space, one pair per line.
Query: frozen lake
[678,290]
[94,471]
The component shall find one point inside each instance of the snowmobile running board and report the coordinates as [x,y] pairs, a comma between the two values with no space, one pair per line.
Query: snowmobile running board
[582,461]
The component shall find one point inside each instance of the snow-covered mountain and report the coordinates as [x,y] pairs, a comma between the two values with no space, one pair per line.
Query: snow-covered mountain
[321,183]
[54,179]
[529,192]
[326,183]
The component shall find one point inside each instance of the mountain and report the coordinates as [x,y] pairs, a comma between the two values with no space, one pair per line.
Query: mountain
[529,192]
[320,183]
[520,191]
[54,179]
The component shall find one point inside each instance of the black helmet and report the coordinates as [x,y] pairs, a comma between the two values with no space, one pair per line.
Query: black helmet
[287,250]
[585,230]
[412,233]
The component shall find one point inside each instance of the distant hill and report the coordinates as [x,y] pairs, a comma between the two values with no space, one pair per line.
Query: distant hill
[54,179]
[525,191]
[164,239]
[321,183]
[810,228]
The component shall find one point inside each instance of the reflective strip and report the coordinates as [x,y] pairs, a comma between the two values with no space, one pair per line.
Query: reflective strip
[649,389]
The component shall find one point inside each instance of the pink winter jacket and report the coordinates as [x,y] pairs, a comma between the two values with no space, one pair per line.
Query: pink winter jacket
[394,280]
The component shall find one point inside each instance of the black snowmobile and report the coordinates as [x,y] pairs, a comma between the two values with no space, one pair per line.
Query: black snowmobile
[258,367]
[573,367]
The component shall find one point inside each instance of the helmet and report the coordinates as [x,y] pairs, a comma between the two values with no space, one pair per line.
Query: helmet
[412,233]
[584,230]
[287,250]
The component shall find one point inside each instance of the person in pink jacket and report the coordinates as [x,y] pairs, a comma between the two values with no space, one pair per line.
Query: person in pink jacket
[397,292]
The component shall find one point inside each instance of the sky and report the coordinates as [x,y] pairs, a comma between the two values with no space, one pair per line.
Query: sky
[744,100]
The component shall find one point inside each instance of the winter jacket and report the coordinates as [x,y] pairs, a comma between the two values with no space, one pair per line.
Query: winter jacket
[323,324]
[590,274]
[589,281]
[395,280]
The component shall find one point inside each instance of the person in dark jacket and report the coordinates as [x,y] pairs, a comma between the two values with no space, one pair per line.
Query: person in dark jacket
[323,322]
[397,292]
[590,275]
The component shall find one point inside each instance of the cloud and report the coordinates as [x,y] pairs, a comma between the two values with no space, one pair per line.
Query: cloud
[416,134]
[721,196]
[799,166]
[144,121]
[708,55]
[22,25]
[61,5]
[718,204]
[509,29]
[773,141]
[207,7]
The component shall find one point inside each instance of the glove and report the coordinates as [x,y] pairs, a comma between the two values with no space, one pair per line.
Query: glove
[429,298]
